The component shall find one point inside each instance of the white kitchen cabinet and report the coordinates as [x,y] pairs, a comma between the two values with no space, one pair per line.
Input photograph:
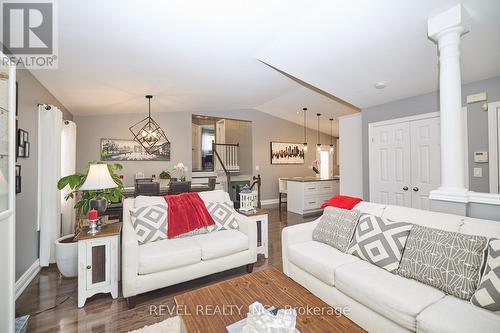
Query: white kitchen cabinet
[306,195]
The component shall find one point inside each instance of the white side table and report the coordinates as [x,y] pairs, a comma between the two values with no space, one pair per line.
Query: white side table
[260,216]
[98,259]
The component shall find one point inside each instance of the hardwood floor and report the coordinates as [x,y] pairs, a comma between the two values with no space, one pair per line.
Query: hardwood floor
[51,300]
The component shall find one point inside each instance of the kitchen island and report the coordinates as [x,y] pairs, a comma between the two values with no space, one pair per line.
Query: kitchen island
[306,194]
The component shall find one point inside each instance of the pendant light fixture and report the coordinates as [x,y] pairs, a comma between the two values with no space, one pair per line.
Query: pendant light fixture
[305,130]
[149,134]
[319,135]
[331,135]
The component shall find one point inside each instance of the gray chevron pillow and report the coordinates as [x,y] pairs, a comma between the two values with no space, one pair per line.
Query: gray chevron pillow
[336,227]
[487,294]
[223,214]
[150,223]
[380,241]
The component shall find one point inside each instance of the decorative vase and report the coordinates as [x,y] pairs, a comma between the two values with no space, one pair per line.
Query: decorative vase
[67,256]
[164,182]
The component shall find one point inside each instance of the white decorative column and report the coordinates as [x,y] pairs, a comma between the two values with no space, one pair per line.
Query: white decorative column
[446,29]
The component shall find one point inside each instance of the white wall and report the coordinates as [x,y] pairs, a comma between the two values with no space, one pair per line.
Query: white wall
[351,155]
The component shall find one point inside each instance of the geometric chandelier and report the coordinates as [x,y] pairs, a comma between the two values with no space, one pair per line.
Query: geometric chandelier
[149,134]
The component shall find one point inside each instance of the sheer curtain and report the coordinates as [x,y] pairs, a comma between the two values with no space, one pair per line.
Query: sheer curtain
[49,172]
[68,166]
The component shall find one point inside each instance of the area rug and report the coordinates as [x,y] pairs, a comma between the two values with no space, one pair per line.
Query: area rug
[170,325]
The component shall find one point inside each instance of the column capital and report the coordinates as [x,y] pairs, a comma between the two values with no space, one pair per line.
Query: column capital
[455,19]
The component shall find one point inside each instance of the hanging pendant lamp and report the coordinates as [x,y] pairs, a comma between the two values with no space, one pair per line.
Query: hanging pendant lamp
[305,130]
[331,135]
[149,134]
[319,136]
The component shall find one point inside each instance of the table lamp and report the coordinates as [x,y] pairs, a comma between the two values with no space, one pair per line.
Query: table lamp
[98,179]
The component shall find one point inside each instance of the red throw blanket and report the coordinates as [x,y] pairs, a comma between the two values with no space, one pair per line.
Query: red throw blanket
[186,212]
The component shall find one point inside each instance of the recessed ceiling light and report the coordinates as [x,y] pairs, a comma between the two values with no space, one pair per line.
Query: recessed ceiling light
[380,84]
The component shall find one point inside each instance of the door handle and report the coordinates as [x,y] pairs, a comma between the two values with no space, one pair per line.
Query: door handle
[89,267]
[405,188]
[415,189]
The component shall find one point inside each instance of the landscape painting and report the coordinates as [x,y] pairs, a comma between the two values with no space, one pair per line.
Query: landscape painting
[129,150]
[287,153]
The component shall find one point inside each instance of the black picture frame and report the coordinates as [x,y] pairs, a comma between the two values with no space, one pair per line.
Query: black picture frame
[294,149]
[23,144]
[27,147]
[17,98]
[18,179]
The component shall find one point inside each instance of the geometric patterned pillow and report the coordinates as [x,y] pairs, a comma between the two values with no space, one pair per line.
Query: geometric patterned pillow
[223,214]
[487,294]
[445,260]
[336,226]
[150,223]
[380,241]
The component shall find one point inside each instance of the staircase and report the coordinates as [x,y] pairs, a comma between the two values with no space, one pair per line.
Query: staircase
[202,177]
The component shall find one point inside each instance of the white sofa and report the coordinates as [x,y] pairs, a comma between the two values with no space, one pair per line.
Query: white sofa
[380,301]
[170,261]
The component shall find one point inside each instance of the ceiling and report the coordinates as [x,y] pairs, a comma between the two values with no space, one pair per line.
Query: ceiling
[198,56]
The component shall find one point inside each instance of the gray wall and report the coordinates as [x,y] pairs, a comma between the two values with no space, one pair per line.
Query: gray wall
[30,93]
[177,125]
[476,119]
[90,130]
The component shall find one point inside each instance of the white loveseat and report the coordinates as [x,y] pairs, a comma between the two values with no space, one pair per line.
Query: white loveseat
[380,301]
[170,261]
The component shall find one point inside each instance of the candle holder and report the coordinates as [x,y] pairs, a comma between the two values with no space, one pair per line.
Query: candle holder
[93,227]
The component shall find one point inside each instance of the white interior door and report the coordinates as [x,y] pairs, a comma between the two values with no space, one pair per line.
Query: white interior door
[220,135]
[425,160]
[390,164]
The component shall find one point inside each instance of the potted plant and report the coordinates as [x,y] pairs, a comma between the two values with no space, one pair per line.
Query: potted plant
[66,246]
[165,178]
[180,168]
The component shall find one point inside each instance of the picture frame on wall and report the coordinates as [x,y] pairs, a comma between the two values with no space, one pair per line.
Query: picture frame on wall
[283,153]
[130,150]
[23,144]
[27,149]
[18,179]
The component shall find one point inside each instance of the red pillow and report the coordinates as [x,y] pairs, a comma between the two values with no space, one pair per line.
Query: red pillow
[342,201]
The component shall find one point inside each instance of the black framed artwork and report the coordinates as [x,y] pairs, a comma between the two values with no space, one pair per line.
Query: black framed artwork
[18,179]
[23,144]
[287,153]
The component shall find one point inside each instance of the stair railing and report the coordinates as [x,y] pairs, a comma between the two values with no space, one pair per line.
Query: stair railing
[227,156]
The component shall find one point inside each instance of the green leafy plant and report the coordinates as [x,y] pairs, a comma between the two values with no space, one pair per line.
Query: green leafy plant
[83,198]
[165,175]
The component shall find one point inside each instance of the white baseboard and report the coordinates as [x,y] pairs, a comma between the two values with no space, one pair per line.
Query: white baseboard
[269,202]
[27,277]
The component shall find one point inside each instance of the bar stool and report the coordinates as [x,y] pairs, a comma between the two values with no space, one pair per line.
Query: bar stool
[282,189]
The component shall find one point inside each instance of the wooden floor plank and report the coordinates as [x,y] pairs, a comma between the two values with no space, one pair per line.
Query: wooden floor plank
[51,300]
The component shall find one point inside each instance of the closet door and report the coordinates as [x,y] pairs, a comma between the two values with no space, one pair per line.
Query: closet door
[425,160]
[390,164]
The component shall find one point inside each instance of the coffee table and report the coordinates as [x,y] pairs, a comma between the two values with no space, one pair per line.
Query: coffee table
[212,308]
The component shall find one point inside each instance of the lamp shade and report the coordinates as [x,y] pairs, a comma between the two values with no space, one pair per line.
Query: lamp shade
[98,178]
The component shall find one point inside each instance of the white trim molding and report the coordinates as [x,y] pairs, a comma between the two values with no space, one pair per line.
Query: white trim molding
[466,197]
[449,195]
[493,139]
[27,277]
[484,198]
[269,202]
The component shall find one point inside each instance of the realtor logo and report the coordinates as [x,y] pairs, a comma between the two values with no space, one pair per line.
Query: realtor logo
[29,33]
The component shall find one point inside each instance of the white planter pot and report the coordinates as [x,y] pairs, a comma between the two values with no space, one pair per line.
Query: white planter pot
[67,257]
[164,182]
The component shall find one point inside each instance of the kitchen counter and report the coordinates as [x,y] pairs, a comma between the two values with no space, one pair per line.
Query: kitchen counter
[307,194]
[311,179]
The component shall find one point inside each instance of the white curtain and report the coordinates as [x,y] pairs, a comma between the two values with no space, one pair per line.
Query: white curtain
[49,172]
[68,167]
